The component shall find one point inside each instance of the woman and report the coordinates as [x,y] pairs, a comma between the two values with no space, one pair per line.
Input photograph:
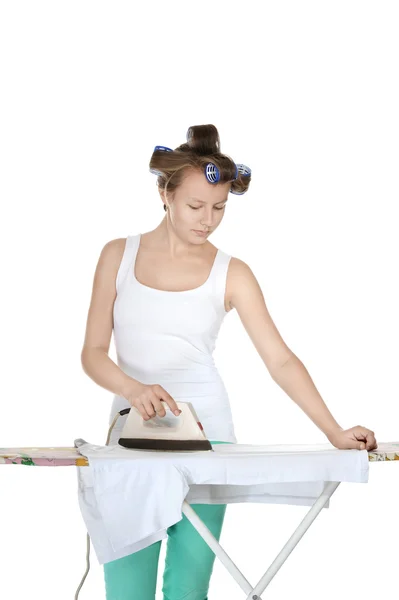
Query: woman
[165,294]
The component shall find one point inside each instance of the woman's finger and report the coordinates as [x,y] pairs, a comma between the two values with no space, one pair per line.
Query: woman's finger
[158,406]
[162,394]
[149,408]
[140,407]
[367,436]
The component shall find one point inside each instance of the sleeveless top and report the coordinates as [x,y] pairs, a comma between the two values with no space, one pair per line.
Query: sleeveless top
[168,337]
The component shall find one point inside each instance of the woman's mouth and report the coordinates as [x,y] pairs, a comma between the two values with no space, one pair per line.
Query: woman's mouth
[200,232]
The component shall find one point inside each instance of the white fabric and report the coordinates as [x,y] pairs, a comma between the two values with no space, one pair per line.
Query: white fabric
[128,498]
[168,338]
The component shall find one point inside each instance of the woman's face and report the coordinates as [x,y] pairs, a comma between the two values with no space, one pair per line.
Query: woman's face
[197,205]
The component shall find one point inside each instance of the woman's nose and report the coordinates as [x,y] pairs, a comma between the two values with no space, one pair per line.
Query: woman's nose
[206,221]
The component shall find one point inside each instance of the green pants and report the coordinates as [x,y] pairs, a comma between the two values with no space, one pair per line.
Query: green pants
[188,563]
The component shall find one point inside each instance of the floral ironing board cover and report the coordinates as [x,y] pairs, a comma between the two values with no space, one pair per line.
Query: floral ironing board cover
[59,456]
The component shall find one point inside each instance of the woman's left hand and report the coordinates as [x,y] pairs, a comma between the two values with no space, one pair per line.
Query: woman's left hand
[359,438]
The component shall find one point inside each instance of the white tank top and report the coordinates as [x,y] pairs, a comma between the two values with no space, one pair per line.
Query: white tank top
[168,337]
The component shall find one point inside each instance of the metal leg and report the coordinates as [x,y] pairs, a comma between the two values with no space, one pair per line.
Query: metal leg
[212,542]
[280,559]
[253,593]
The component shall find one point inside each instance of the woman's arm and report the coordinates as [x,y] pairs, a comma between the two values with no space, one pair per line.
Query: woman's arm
[283,365]
[295,380]
[94,356]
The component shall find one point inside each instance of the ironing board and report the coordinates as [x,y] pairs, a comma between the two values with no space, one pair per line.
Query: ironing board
[69,456]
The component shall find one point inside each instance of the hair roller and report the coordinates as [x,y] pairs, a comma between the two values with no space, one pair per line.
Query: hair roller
[163,149]
[212,173]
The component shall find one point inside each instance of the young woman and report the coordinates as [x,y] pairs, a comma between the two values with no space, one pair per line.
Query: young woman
[164,294]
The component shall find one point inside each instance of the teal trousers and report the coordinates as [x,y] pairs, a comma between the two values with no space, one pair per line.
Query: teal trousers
[188,564]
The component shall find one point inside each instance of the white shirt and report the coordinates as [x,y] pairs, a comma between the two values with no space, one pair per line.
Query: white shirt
[168,338]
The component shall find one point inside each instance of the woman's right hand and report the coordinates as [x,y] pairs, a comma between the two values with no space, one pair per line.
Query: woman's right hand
[147,398]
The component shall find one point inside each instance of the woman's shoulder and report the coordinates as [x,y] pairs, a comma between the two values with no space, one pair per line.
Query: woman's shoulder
[115,247]
[113,250]
[118,245]
[238,273]
[235,263]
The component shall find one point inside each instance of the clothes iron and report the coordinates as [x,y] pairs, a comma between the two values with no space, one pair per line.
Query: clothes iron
[169,433]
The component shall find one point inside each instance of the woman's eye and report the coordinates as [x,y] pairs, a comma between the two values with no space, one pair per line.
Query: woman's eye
[197,207]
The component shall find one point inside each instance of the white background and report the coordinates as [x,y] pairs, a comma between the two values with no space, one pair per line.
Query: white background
[306,94]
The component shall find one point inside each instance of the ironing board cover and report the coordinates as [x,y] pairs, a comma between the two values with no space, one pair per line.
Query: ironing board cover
[59,456]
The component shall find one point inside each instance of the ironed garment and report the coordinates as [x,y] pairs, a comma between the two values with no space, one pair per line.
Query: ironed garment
[188,563]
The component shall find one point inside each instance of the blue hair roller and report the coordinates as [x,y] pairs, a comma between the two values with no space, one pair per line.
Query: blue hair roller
[164,149]
[245,171]
[212,173]
[156,172]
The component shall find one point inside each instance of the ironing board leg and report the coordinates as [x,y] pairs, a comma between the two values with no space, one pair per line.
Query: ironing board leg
[254,593]
[216,547]
[299,532]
